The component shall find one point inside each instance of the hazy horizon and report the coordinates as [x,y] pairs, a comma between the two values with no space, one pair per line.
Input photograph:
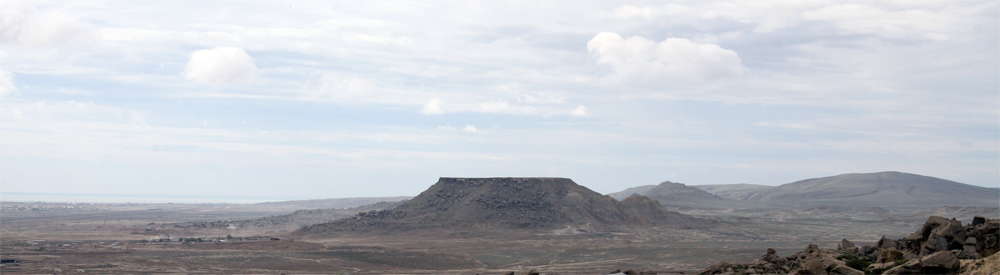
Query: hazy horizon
[213,198]
[320,99]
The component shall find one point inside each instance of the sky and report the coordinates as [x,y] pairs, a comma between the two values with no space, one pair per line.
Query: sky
[320,99]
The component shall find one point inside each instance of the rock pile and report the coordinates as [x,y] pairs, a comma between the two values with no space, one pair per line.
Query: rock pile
[937,248]
[812,260]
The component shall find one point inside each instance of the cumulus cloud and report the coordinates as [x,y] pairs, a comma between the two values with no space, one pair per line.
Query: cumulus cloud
[432,107]
[220,65]
[674,59]
[580,110]
[23,24]
[6,83]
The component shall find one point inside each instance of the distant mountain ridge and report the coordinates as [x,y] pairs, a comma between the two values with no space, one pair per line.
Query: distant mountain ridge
[465,204]
[879,189]
[739,191]
[674,194]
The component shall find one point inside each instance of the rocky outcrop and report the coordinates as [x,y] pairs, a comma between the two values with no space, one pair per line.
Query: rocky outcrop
[984,235]
[489,204]
[937,234]
[936,248]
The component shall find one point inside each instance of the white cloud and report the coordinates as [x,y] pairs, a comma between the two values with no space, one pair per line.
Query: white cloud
[902,19]
[24,24]
[6,84]
[470,129]
[432,107]
[220,65]
[672,60]
[580,110]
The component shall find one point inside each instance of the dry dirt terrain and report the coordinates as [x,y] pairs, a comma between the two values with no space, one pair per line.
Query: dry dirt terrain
[458,225]
[112,238]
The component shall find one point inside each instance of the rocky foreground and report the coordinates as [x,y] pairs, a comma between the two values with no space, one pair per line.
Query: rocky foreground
[941,246]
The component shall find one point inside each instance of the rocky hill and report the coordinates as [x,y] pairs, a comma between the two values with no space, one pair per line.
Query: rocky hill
[881,189]
[740,191]
[487,204]
[674,194]
[884,189]
[638,190]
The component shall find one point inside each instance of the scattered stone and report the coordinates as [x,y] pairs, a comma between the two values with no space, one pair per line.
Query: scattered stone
[985,266]
[941,262]
[937,248]
[889,255]
[815,261]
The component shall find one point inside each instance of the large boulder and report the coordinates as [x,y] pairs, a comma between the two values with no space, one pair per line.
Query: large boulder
[886,243]
[987,235]
[846,246]
[937,234]
[941,262]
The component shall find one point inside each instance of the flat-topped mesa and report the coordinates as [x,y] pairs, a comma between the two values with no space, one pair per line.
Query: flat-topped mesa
[508,203]
[505,180]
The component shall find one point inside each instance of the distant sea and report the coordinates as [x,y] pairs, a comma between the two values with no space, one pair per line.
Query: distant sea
[130,198]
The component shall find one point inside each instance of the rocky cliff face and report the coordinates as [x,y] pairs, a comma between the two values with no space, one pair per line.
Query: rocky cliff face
[509,203]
